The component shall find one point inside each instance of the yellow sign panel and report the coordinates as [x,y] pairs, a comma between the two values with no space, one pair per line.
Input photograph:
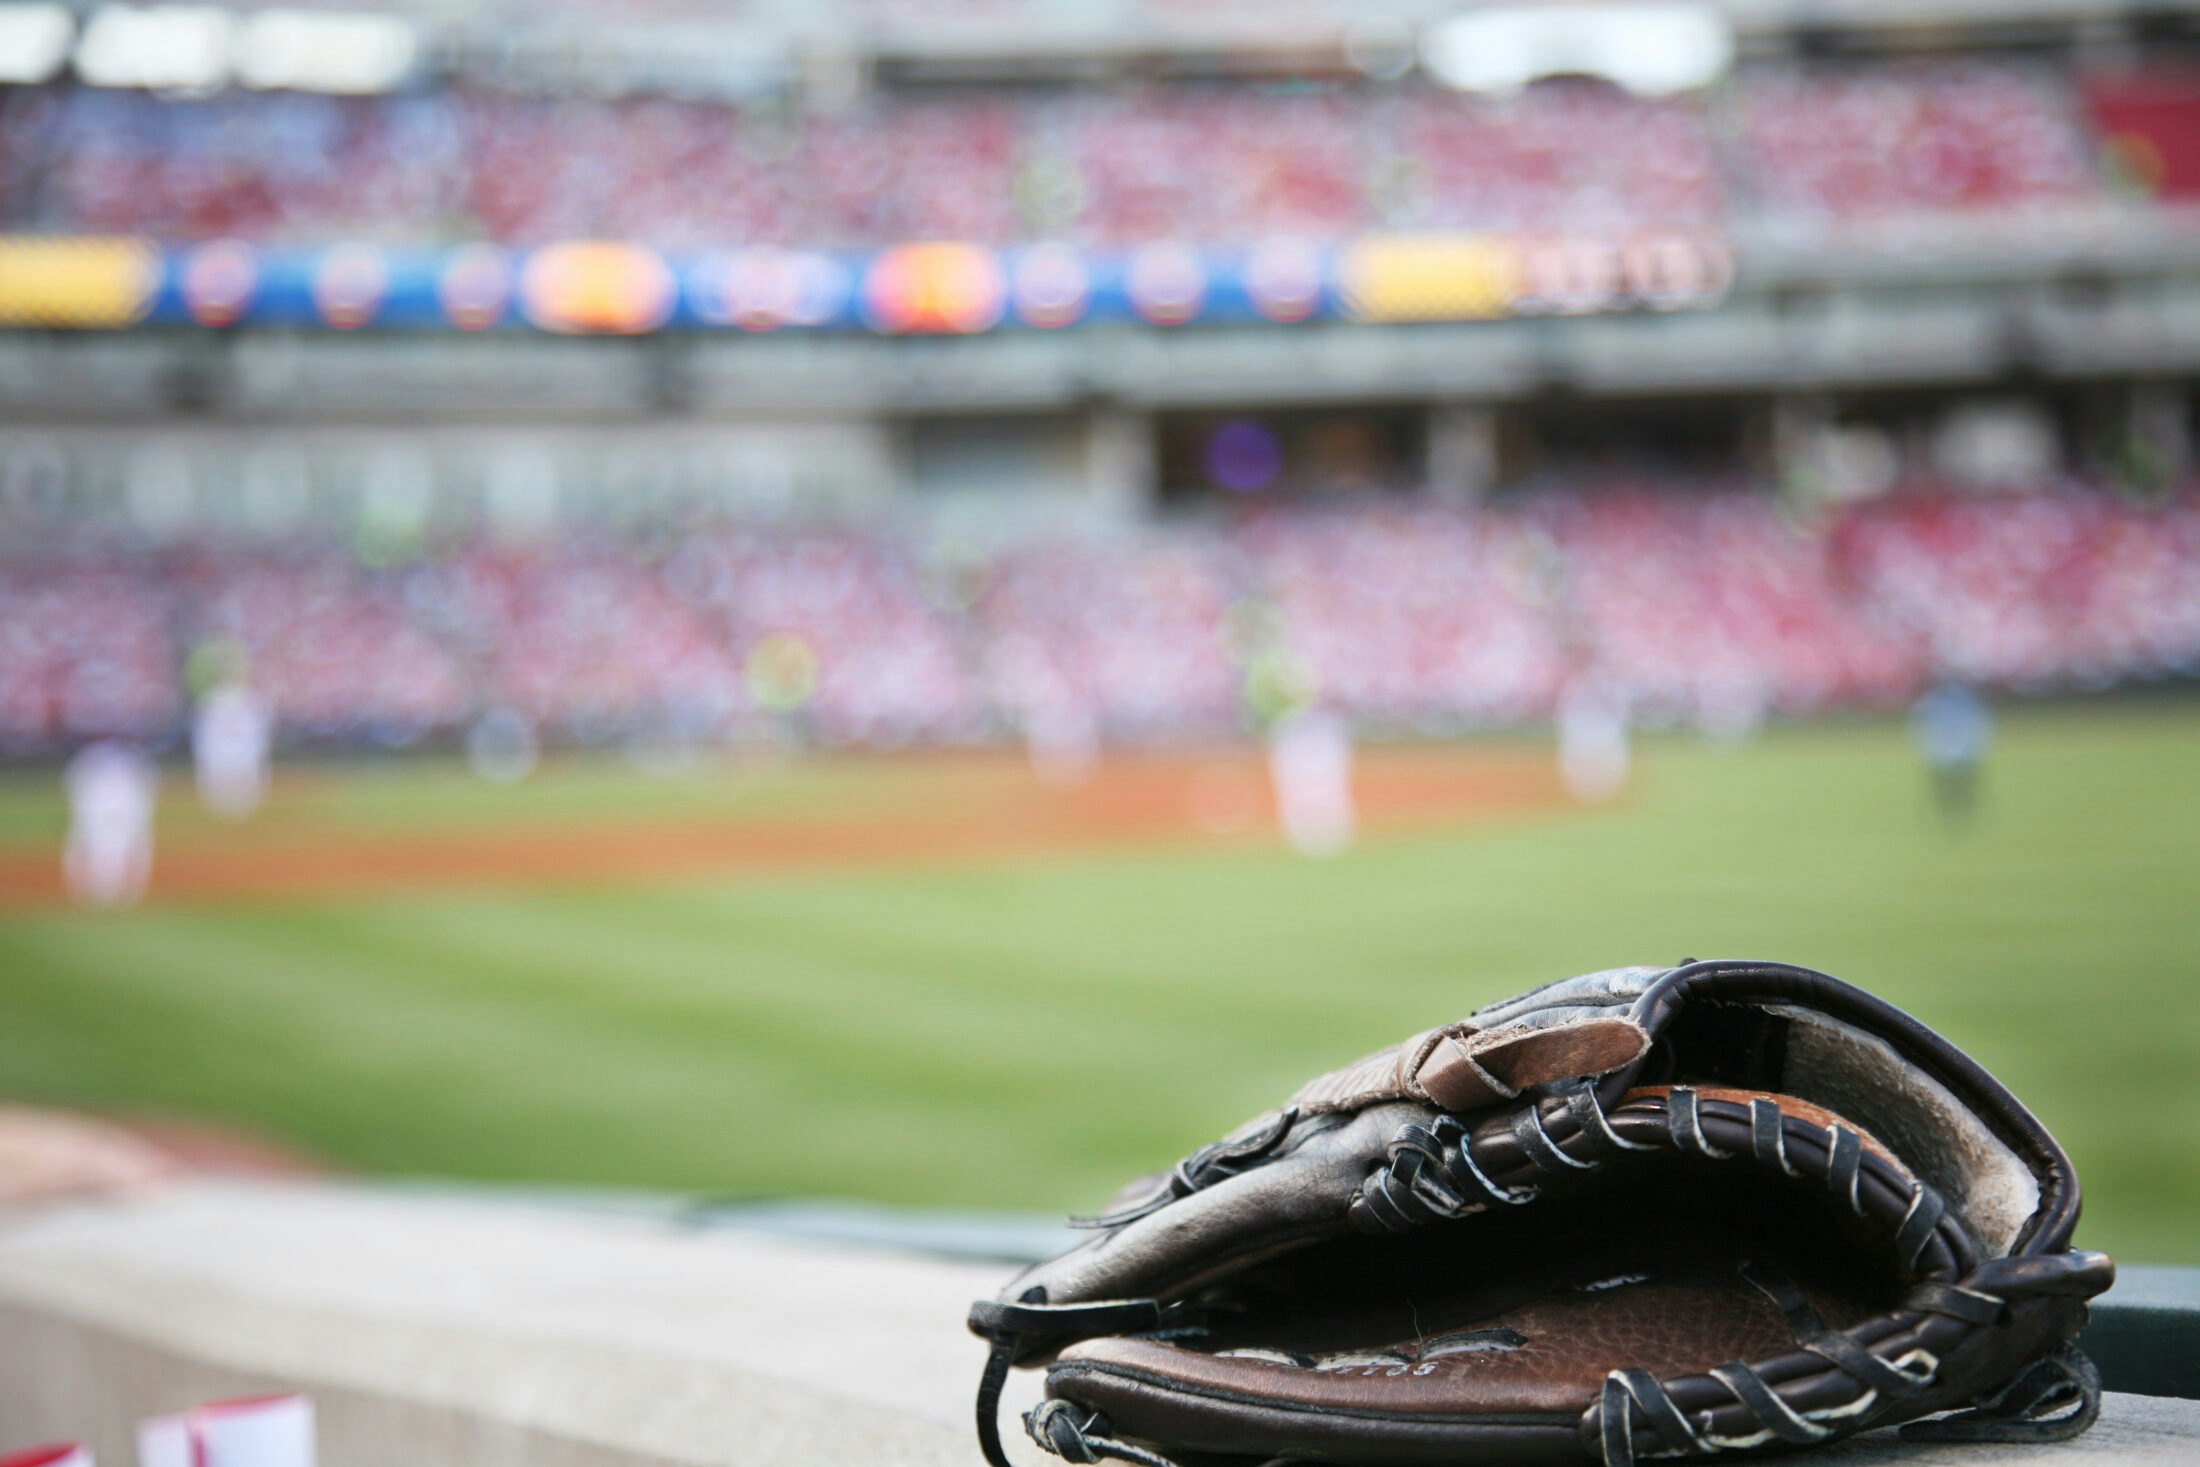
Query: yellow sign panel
[76,283]
[1429,277]
[597,286]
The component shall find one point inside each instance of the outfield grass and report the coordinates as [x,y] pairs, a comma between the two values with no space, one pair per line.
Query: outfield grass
[1026,1034]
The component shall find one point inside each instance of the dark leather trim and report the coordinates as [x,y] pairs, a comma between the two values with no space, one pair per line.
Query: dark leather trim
[1072,1369]
[1165,1412]
[1742,981]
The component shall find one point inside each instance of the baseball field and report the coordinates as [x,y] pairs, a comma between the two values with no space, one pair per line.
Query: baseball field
[932,979]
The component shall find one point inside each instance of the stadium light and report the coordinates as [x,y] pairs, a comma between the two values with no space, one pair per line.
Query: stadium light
[180,47]
[311,51]
[1649,48]
[34,41]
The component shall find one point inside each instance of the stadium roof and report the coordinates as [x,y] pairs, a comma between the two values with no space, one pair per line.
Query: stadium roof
[747,46]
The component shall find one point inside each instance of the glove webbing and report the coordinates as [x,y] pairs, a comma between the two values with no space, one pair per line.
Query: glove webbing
[2017,1412]
[1433,1175]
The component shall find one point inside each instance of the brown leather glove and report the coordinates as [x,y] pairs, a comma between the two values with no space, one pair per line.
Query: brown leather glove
[1642,1214]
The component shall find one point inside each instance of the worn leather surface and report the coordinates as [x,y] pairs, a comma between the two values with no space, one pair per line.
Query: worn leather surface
[1531,1315]
[1676,1325]
[1591,1242]
[1303,1189]
[1465,1065]
[1300,1196]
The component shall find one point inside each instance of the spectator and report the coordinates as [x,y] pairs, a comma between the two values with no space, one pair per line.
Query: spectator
[1717,609]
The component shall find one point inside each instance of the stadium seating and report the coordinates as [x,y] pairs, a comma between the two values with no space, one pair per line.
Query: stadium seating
[1130,635]
[337,649]
[1912,139]
[1715,609]
[1209,162]
[84,648]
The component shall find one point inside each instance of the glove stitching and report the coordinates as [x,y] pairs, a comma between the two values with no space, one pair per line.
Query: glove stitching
[1768,1134]
[1536,1143]
[1684,1117]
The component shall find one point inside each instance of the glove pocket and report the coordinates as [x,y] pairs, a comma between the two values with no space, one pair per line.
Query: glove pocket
[1703,1269]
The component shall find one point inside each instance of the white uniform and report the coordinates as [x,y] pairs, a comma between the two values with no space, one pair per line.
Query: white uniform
[108,857]
[1593,753]
[230,737]
[1062,738]
[501,746]
[1310,759]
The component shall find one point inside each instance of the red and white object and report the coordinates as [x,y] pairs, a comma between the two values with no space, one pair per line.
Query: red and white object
[165,1441]
[59,1454]
[252,1431]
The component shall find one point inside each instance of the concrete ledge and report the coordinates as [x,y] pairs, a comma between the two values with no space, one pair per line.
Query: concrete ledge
[476,1333]
[444,1331]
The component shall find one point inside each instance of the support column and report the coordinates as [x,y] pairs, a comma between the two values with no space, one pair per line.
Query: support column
[1462,451]
[2160,448]
[1121,473]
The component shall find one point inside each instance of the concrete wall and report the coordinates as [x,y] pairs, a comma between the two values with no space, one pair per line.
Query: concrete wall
[476,1332]
[487,1335]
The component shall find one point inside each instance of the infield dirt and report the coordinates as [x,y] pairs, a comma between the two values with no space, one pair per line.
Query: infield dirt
[990,806]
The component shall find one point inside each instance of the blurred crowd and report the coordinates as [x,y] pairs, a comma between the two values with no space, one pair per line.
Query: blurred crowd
[1713,609]
[1211,162]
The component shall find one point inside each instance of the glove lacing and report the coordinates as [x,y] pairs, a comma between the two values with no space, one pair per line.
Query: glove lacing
[1018,1328]
[2015,1413]
[1079,1434]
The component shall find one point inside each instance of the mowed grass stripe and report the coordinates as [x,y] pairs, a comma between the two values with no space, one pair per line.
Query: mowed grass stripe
[352,1062]
[885,1031]
[242,998]
[352,1018]
[902,1014]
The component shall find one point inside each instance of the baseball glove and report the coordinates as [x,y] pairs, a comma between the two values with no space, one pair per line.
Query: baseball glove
[1642,1214]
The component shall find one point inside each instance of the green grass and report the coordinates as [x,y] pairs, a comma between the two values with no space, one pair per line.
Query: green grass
[1027,1034]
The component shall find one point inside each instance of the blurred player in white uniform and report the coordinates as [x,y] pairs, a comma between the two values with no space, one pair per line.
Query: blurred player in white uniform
[1310,759]
[230,737]
[1061,733]
[1061,736]
[1593,748]
[108,857]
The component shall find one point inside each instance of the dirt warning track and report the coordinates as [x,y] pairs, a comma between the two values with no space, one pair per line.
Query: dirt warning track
[991,807]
